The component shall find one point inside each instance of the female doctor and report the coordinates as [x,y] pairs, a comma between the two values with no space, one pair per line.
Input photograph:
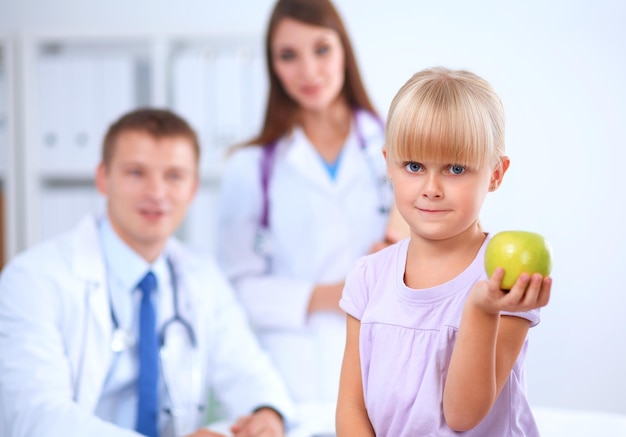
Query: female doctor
[304,199]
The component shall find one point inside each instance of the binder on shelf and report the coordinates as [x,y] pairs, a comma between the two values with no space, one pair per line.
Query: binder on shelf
[191,99]
[80,151]
[228,97]
[54,90]
[220,88]
[80,95]
[116,94]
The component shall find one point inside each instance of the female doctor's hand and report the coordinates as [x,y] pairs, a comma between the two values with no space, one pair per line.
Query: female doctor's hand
[265,422]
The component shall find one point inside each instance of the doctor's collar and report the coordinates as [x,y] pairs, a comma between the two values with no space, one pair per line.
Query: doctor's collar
[124,265]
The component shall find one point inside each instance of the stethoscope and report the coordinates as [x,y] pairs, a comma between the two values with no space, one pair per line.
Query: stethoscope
[183,407]
[262,243]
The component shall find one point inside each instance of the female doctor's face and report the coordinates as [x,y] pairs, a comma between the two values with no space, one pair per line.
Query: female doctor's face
[149,183]
[309,62]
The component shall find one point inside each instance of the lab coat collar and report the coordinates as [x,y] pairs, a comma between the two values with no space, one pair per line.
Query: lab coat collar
[366,131]
[124,265]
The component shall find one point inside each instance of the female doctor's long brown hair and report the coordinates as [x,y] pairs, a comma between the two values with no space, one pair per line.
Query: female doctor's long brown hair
[281,109]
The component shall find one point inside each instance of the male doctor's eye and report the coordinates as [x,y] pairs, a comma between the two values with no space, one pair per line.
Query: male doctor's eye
[134,172]
[174,176]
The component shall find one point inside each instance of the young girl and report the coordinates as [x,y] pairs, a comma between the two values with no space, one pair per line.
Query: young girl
[433,346]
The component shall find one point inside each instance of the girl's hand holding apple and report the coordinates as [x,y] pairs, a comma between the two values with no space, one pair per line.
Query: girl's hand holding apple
[528,292]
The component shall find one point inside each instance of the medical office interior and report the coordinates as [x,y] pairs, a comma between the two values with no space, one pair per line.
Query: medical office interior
[69,67]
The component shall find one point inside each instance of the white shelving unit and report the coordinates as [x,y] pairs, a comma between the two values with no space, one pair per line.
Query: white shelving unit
[218,83]
[74,86]
[8,173]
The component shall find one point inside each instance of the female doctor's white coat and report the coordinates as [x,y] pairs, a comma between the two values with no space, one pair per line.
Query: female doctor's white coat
[55,337]
[318,227]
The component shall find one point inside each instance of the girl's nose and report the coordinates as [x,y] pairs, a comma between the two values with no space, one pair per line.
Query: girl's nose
[432,187]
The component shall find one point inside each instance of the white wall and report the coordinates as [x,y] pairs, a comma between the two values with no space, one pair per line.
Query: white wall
[560,68]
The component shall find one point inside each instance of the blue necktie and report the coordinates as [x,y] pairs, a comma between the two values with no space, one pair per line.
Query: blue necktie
[148,381]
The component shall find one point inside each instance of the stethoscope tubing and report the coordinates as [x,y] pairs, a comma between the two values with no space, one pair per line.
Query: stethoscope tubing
[261,244]
[178,407]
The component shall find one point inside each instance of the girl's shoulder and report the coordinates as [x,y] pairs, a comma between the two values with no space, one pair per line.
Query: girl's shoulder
[384,261]
[369,277]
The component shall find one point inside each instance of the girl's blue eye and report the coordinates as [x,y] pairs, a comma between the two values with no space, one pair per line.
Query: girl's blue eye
[413,167]
[457,169]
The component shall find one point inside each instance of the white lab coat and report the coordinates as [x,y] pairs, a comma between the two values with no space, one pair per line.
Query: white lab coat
[318,229]
[55,336]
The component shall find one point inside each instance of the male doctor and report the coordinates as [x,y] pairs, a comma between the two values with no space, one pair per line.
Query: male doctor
[115,329]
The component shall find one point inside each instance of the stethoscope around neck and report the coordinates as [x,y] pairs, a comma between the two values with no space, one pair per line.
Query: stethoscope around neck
[183,407]
[122,340]
[262,244]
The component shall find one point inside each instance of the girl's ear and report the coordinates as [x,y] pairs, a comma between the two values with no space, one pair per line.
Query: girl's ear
[498,173]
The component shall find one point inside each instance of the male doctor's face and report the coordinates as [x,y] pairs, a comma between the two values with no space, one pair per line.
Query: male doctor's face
[149,183]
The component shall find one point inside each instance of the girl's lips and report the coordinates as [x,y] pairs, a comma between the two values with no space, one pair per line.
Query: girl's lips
[432,211]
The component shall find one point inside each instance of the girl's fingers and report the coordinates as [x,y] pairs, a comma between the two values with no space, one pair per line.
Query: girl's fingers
[496,278]
[529,292]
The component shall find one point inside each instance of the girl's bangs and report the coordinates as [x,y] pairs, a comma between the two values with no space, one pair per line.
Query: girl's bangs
[444,130]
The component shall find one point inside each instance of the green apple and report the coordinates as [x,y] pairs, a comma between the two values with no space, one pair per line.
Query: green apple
[517,252]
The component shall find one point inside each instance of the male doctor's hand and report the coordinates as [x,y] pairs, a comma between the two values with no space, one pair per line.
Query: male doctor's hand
[265,422]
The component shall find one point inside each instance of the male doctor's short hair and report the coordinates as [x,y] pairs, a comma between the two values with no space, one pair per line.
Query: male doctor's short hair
[158,123]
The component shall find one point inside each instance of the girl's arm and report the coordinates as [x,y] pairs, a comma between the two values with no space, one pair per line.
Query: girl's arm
[352,418]
[488,345]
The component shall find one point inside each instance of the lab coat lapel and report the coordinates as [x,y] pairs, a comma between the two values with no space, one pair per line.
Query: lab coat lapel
[365,138]
[88,265]
[304,157]
[352,164]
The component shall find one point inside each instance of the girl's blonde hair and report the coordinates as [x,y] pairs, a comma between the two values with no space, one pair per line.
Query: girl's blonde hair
[443,115]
